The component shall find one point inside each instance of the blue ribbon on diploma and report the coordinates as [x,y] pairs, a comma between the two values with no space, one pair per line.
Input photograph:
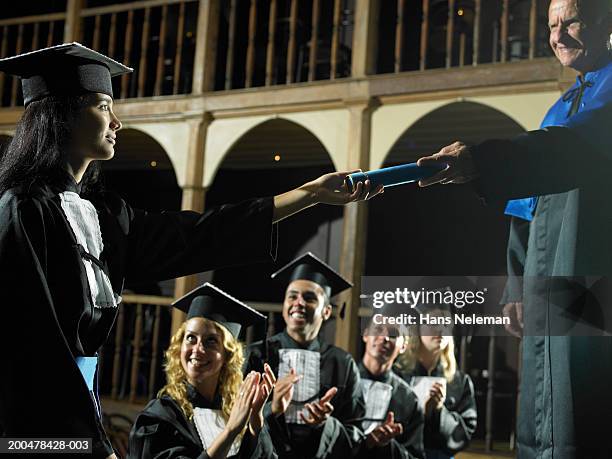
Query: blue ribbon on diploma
[392,176]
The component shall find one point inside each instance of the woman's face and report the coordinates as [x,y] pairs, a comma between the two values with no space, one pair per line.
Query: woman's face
[435,338]
[94,130]
[202,351]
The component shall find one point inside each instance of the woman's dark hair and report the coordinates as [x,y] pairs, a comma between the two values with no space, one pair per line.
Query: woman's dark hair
[37,154]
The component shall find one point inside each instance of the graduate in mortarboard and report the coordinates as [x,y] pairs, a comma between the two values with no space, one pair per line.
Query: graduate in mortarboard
[446,394]
[66,246]
[206,409]
[317,403]
[393,422]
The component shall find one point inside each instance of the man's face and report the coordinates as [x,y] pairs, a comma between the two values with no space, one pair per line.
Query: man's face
[304,308]
[577,37]
[384,343]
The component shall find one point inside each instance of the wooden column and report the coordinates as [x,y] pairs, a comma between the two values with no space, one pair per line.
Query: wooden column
[193,198]
[352,255]
[206,47]
[365,36]
[72,26]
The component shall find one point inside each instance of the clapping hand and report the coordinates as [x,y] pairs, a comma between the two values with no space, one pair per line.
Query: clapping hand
[283,392]
[385,432]
[266,384]
[243,405]
[321,410]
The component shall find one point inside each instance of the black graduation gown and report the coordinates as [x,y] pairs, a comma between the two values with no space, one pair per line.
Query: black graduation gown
[47,315]
[564,407]
[340,436]
[450,429]
[163,431]
[406,410]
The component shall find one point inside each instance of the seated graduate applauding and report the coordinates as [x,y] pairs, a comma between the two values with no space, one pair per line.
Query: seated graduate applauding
[447,394]
[317,403]
[206,409]
[393,422]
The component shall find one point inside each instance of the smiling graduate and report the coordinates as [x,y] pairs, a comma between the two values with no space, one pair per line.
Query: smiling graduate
[206,409]
[317,403]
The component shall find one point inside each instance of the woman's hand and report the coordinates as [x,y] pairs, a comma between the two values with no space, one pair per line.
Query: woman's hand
[283,393]
[332,189]
[435,400]
[266,385]
[243,406]
[327,189]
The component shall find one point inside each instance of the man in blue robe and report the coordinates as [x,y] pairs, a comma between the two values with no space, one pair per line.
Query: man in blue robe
[557,239]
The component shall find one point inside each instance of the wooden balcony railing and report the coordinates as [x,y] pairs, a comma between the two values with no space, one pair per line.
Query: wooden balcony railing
[20,35]
[270,42]
[251,43]
[450,33]
[155,37]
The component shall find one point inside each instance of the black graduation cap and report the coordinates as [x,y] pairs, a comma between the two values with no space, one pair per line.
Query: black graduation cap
[309,267]
[67,69]
[212,303]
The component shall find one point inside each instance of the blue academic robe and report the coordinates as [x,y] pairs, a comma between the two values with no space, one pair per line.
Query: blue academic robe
[564,404]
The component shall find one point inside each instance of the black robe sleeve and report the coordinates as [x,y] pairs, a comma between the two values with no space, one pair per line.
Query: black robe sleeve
[546,161]
[159,246]
[161,431]
[451,428]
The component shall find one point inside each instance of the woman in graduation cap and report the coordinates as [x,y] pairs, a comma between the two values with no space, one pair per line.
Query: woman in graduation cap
[66,247]
[449,403]
[206,409]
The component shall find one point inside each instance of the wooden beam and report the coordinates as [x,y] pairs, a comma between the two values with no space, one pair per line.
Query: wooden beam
[127,51]
[335,38]
[270,45]
[112,35]
[504,30]
[365,38]
[399,35]
[144,49]
[180,30]
[291,44]
[96,34]
[159,67]
[533,28]
[50,33]
[476,39]
[314,42]
[123,7]
[250,57]
[354,230]
[18,50]
[204,65]
[193,199]
[450,32]
[32,19]
[424,35]
[231,35]
[72,26]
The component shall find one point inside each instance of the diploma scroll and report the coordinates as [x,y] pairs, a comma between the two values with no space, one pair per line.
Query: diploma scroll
[392,176]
